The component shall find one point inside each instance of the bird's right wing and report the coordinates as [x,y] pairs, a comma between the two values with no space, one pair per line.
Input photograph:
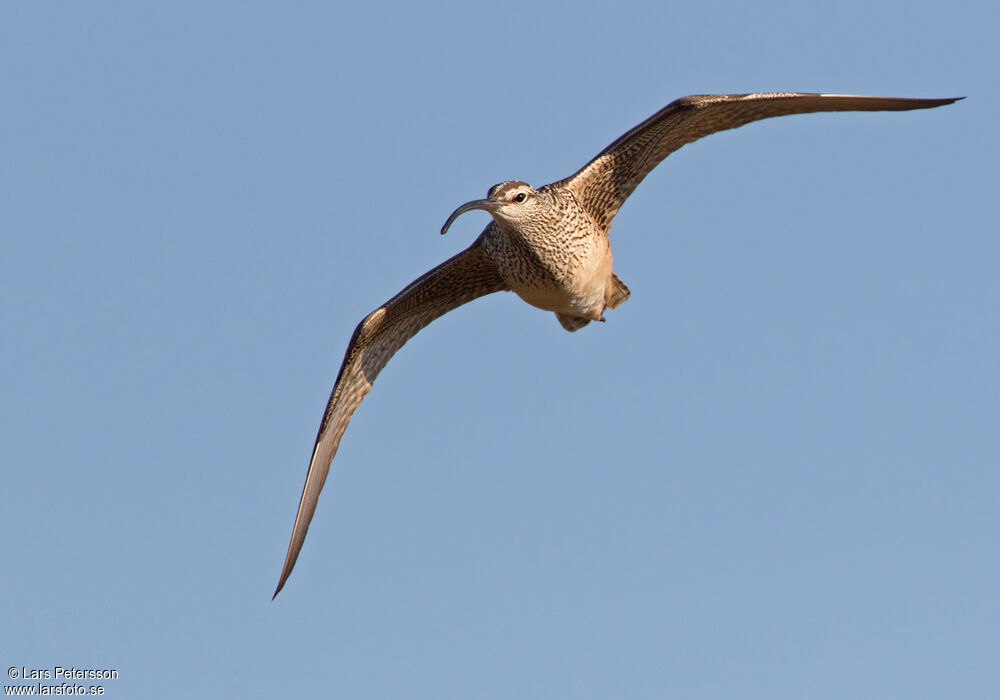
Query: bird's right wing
[467,276]
[603,184]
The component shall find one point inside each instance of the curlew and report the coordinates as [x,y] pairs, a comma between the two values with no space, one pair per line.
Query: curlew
[549,246]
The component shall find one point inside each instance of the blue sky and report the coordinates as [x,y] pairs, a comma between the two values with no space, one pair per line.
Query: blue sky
[771,474]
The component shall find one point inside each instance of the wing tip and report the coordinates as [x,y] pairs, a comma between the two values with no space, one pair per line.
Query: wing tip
[917,102]
[286,571]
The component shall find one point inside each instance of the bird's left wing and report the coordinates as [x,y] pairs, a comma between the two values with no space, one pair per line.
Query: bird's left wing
[467,276]
[603,184]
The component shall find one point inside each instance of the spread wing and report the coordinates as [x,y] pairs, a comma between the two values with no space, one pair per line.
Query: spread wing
[603,184]
[467,276]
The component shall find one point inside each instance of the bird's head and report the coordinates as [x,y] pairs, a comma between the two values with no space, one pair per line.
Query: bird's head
[508,202]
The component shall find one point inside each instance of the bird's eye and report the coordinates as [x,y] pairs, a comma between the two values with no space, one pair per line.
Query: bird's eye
[520,197]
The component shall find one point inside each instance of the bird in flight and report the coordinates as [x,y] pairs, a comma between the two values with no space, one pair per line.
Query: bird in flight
[549,246]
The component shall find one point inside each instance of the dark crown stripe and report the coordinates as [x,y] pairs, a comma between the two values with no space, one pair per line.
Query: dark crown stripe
[503,188]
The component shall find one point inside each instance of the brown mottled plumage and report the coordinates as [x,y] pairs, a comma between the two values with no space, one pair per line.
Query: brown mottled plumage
[550,246]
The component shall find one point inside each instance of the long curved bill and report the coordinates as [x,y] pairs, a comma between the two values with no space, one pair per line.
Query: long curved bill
[468,206]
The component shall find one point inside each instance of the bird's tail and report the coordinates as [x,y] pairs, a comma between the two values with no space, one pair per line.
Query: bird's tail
[572,323]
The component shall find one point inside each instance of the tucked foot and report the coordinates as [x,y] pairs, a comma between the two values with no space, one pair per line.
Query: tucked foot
[616,293]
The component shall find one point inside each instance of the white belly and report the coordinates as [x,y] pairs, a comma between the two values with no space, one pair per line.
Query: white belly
[579,290]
